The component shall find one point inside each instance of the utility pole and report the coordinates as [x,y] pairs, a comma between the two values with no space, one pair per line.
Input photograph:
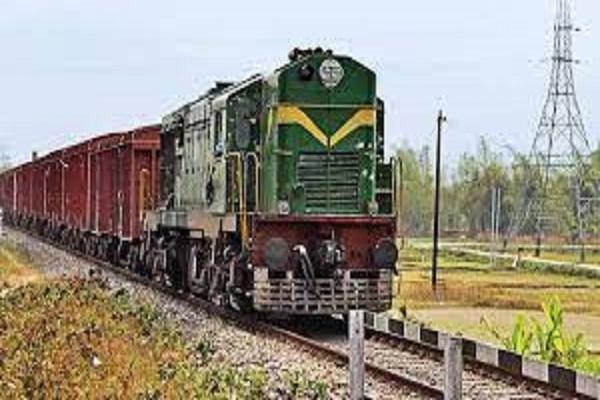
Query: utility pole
[436,207]
[493,216]
[498,212]
[580,226]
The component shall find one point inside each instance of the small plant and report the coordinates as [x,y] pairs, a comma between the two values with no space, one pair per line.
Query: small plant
[519,341]
[301,387]
[552,343]
[205,349]
[547,339]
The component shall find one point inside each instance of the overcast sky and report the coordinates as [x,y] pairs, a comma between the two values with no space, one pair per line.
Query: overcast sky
[73,68]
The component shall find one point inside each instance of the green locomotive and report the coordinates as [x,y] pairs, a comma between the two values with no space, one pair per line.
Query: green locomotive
[276,195]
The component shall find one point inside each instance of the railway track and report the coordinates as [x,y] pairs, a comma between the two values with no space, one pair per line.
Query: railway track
[425,364]
[480,381]
[399,361]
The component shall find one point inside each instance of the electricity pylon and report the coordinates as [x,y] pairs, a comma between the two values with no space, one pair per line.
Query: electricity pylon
[560,188]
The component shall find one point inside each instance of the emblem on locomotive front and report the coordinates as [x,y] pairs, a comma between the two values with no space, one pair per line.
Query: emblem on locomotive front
[331,73]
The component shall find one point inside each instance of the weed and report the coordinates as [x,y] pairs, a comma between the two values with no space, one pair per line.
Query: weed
[301,387]
[519,341]
[205,348]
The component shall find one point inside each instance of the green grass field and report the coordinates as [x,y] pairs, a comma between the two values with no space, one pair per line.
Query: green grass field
[470,288]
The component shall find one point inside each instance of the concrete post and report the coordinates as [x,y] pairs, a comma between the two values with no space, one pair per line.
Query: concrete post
[357,354]
[453,361]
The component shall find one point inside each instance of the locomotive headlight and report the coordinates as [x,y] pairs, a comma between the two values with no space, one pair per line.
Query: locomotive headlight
[306,72]
[277,253]
[283,207]
[385,254]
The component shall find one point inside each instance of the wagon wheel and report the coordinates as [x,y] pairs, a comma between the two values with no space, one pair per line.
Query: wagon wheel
[147,264]
[192,268]
[133,259]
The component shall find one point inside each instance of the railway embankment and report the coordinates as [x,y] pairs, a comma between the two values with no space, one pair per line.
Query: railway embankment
[86,333]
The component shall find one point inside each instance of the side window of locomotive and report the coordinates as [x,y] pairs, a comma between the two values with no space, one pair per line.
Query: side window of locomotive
[244,128]
[179,131]
[218,145]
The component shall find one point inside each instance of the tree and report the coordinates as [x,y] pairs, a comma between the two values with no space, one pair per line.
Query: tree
[475,181]
[418,181]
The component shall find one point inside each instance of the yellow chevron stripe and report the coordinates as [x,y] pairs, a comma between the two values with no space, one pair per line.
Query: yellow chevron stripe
[358,120]
[294,115]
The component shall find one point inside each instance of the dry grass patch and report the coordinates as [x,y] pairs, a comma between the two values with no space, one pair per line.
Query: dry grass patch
[72,339]
[467,281]
[16,267]
[499,289]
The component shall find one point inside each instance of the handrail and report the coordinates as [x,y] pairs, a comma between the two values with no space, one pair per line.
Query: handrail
[256,179]
[242,195]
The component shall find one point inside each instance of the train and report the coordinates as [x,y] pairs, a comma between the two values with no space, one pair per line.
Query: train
[268,195]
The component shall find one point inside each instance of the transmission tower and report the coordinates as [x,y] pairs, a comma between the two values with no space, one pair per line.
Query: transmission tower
[559,187]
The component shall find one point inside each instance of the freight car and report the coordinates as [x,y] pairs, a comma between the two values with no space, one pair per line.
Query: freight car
[91,196]
[275,192]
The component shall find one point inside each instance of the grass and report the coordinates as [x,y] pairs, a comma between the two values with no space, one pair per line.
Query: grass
[569,257]
[470,288]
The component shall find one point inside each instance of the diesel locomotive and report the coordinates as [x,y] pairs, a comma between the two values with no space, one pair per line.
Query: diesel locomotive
[274,194]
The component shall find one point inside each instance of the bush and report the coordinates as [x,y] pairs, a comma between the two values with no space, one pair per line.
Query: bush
[72,339]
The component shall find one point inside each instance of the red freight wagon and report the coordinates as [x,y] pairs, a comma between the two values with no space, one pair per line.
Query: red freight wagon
[124,181]
[7,184]
[91,195]
[6,191]
[24,189]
